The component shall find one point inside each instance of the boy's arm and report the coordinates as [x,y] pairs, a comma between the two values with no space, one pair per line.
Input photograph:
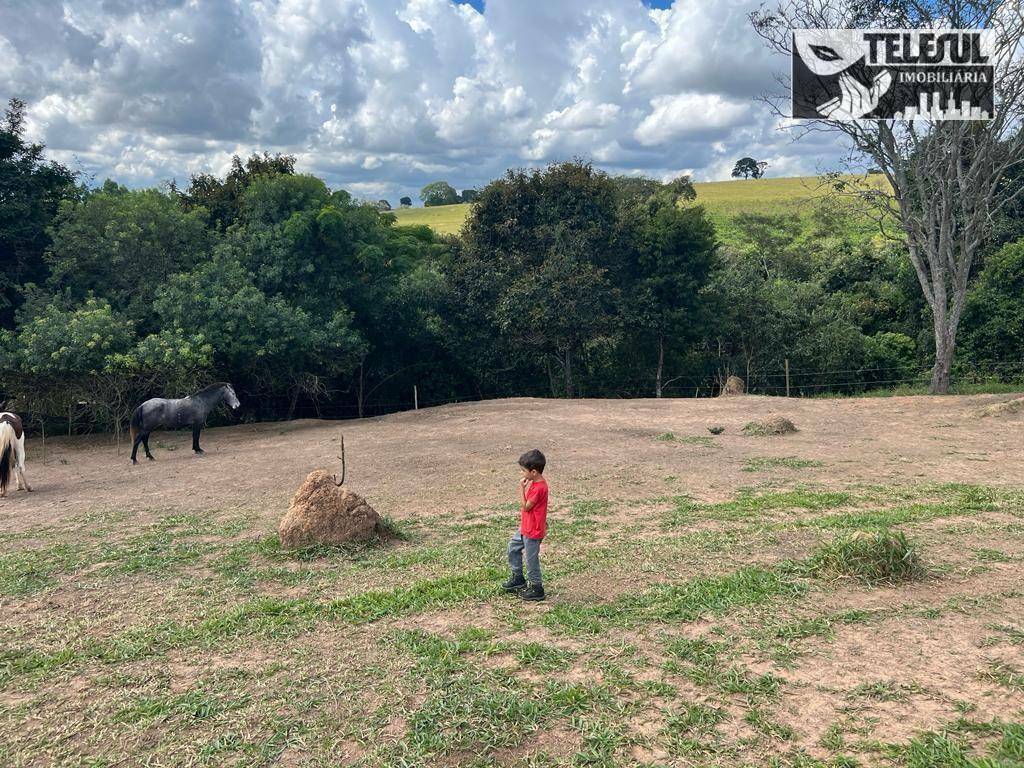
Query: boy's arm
[528,504]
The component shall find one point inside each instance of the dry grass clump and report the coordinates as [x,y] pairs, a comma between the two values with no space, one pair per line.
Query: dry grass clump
[774,425]
[874,557]
[1005,408]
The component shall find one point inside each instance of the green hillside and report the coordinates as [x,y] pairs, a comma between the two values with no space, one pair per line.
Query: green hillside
[446,219]
[723,200]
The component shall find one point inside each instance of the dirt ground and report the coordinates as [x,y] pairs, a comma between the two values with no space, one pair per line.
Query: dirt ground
[148,615]
[433,461]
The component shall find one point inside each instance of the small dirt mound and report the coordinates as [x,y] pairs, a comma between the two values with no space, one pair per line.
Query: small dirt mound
[1005,408]
[321,513]
[733,386]
[774,425]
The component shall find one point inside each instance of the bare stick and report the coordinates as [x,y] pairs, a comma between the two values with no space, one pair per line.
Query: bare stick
[342,457]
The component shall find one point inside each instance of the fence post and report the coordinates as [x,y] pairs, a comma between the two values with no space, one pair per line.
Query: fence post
[787,377]
[415,398]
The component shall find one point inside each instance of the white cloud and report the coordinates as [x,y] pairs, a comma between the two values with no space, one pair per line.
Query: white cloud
[689,114]
[382,96]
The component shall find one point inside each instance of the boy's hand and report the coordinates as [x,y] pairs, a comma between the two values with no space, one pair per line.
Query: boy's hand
[524,481]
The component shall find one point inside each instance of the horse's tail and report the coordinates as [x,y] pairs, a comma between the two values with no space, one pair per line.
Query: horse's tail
[6,454]
[136,422]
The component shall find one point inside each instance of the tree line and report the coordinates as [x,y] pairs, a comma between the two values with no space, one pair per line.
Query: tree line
[565,282]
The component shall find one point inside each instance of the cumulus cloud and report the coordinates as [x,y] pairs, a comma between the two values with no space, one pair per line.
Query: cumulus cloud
[382,96]
[690,114]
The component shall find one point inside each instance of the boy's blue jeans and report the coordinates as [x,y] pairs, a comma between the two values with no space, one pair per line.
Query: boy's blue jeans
[516,547]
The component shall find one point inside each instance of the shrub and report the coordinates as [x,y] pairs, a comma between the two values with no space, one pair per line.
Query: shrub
[874,557]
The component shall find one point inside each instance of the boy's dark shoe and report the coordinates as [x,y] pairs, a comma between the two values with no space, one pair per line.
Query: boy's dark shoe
[533,593]
[514,584]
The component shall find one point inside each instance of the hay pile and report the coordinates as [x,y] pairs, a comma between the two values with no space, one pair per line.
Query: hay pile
[733,386]
[773,425]
[1005,408]
[321,513]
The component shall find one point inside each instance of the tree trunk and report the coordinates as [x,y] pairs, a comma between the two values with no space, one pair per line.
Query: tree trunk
[359,395]
[294,402]
[945,345]
[661,366]
[568,372]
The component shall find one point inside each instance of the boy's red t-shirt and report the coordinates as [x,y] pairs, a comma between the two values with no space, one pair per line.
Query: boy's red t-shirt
[534,524]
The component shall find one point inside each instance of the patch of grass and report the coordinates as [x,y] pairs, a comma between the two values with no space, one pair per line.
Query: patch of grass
[873,557]
[779,638]
[1008,634]
[937,750]
[992,556]
[591,508]
[1006,675]
[443,219]
[762,463]
[691,730]
[25,571]
[198,704]
[758,719]
[391,529]
[684,602]
[723,201]
[258,617]
[750,504]
[702,440]
[705,667]
[881,690]
[471,708]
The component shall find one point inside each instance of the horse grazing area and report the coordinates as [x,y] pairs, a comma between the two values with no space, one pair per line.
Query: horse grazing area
[850,594]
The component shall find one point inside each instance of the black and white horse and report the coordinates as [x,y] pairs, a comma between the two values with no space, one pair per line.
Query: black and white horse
[12,452]
[190,411]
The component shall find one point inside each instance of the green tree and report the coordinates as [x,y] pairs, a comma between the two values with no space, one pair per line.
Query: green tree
[545,284]
[272,343]
[321,251]
[123,245]
[994,312]
[86,362]
[439,193]
[672,253]
[220,197]
[749,168]
[69,342]
[31,191]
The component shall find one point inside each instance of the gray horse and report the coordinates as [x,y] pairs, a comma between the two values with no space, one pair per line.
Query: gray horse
[188,411]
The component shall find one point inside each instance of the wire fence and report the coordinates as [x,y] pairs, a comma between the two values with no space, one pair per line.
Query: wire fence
[78,417]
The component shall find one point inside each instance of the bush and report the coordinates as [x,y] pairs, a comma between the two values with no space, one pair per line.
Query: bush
[874,557]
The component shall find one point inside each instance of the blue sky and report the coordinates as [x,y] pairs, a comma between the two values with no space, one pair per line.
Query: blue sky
[383,96]
[479,4]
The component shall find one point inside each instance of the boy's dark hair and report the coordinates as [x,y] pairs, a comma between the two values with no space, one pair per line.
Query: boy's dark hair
[533,460]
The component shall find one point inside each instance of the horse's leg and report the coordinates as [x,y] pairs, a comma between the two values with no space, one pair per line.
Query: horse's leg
[196,429]
[145,444]
[20,458]
[135,446]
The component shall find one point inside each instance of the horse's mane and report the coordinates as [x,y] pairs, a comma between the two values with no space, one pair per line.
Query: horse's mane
[213,387]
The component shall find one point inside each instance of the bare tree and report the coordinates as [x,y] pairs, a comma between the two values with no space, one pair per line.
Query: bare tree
[946,177]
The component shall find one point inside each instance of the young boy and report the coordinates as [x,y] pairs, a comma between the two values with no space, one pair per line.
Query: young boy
[533,525]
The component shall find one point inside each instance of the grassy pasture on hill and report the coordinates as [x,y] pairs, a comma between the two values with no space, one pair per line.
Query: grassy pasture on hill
[713,601]
[446,219]
[724,200]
